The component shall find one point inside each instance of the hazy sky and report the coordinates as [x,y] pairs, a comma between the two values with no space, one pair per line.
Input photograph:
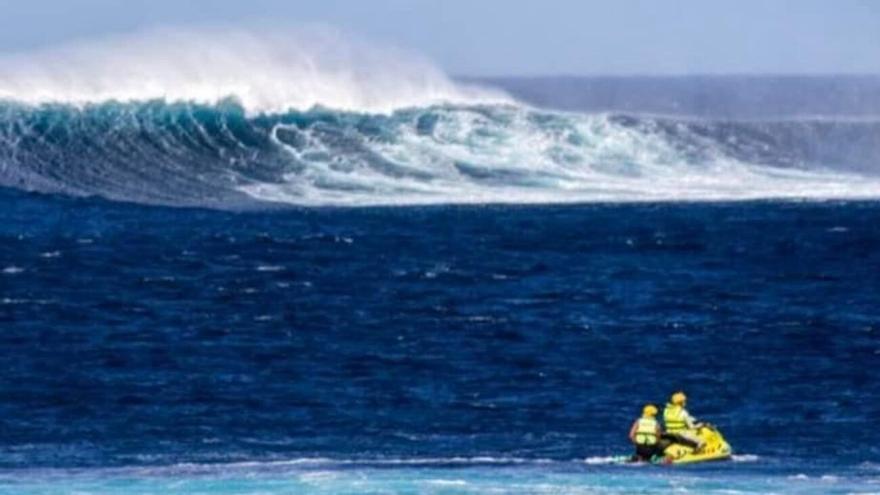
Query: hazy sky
[517,37]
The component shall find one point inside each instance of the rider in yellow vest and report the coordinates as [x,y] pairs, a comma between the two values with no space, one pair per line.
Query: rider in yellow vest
[680,425]
[646,434]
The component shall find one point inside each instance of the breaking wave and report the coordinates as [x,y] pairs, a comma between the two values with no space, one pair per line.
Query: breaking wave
[226,118]
[217,155]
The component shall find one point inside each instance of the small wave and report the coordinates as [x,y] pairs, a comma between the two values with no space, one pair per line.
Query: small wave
[605,460]
[311,464]
[13,270]
[441,461]
[824,478]
[10,301]
[602,460]
[270,268]
[745,458]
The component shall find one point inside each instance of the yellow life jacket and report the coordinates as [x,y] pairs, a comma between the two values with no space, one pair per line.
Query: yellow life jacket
[674,418]
[646,431]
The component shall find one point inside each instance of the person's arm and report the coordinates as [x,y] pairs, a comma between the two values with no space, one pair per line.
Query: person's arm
[689,420]
[632,432]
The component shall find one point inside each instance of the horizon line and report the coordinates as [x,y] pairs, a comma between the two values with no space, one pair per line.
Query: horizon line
[671,75]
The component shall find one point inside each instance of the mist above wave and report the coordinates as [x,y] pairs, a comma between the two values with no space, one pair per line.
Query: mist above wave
[267,70]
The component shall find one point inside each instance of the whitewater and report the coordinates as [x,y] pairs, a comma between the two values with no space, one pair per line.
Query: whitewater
[233,118]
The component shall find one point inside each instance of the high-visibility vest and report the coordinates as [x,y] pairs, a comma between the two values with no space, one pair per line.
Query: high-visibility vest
[674,418]
[646,431]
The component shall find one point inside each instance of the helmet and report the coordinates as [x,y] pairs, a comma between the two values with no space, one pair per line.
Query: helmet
[650,410]
[678,398]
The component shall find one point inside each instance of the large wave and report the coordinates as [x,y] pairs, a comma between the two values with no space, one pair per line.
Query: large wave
[227,118]
[218,155]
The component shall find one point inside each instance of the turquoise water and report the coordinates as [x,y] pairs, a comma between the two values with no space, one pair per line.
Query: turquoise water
[467,478]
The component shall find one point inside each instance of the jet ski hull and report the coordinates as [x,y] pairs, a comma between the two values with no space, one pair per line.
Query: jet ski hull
[715,448]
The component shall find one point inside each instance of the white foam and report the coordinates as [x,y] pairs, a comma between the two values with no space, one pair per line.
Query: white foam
[601,460]
[445,482]
[267,69]
[270,268]
[527,156]
[745,458]
[326,464]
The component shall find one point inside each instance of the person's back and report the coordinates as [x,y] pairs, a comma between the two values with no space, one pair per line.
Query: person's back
[645,434]
[678,421]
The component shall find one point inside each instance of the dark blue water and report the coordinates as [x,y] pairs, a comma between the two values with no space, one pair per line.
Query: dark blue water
[149,336]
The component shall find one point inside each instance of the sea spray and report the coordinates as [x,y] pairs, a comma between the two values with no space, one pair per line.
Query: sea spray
[265,69]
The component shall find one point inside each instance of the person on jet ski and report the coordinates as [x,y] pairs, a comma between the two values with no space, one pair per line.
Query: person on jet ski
[646,435]
[680,425]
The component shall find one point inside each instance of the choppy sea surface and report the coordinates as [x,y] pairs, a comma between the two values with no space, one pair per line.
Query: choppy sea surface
[444,349]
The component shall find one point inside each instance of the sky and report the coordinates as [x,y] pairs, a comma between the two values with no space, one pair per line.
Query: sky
[518,37]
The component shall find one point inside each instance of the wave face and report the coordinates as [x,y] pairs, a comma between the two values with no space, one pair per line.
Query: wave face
[310,117]
[219,155]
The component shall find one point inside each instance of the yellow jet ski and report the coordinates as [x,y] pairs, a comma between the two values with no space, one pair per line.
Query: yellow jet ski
[715,448]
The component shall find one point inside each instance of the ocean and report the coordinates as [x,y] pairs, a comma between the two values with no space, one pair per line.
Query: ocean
[471,295]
